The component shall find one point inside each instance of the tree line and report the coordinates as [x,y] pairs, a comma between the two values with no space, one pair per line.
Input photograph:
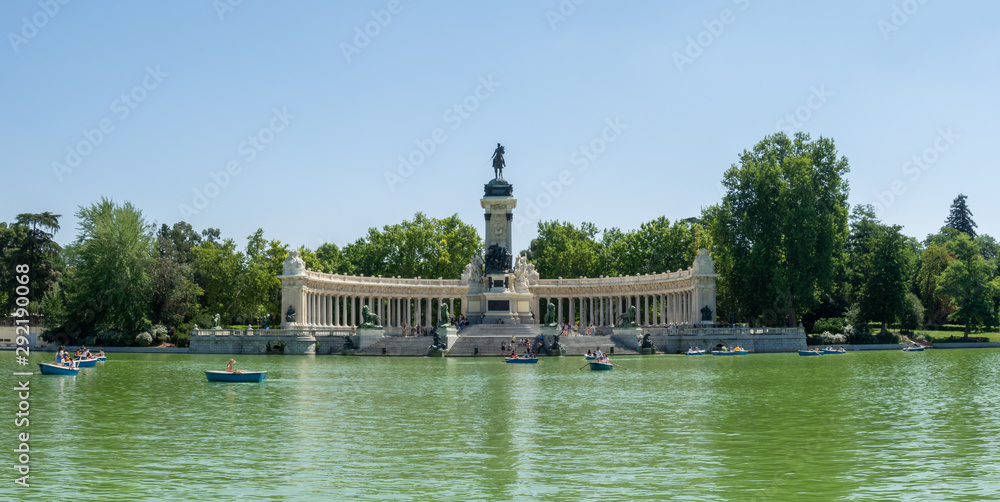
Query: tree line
[125,281]
[788,248]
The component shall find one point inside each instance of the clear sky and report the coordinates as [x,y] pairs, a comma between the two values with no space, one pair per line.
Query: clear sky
[610,112]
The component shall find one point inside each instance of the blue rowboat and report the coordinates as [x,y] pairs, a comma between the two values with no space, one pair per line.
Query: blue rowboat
[828,351]
[86,363]
[102,358]
[53,369]
[226,376]
[601,366]
[740,352]
[521,360]
[723,353]
[590,358]
[810,353]
[913,349]
[695,352]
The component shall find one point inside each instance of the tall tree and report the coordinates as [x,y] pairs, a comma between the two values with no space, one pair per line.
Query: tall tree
[882,292]
[960,217]
[114,251]
[563,250]
[779,232]
[30,241]
[934,260]
[968,283]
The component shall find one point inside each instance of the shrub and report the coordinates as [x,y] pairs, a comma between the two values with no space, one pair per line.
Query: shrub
[826,338]
[857,337]
[182,338]
[143,339]
[159,333]
[887,337]
[829,324]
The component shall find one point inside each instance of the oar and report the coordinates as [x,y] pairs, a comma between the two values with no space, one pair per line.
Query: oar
[584,366]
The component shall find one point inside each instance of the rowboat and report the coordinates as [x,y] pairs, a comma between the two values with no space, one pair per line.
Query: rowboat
[521,360]
[227,376]
[595,366]
[590,358]
[102,358]
[695,352]
[831,351]
[86,363]
[54,369]
[910,348]
[723,353]
[810,353]
[740,352]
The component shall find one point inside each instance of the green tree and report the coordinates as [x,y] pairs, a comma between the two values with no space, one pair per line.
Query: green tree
[779,233]
[563,250]
[960,217]
[422,247]
[882,292]
[114,251]
[968,283]
[934,260]
[30,241]
[656,246]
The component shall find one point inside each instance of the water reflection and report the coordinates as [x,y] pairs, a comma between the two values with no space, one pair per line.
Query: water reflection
[882,425]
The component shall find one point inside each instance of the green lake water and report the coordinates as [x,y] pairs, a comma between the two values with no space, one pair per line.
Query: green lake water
[861,426]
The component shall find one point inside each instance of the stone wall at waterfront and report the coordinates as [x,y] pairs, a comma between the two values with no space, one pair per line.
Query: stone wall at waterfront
[291,342]
[673,341]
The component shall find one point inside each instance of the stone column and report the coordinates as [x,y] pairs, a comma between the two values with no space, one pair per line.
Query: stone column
[559,317]
[430,308]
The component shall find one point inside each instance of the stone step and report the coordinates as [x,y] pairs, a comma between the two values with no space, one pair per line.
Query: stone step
[398,346]
[508,330]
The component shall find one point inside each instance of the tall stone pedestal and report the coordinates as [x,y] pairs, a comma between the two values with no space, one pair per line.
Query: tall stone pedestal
[448,335]
[367,336]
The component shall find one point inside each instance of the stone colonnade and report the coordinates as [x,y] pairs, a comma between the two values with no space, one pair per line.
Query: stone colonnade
[673,298]
[681,298]
[333,300]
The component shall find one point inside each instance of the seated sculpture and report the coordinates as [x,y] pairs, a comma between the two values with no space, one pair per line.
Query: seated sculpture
[368,319]
[627,320]
[550,314]
[444,315]
[290,314]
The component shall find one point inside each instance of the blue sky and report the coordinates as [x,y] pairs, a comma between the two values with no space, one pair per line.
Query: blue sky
[610,112]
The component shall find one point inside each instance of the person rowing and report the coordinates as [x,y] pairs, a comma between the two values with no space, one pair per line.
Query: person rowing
[230,369]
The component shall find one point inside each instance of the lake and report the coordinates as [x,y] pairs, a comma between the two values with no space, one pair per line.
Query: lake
[860,426]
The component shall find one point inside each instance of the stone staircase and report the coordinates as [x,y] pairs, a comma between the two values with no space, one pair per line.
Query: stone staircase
[501,330]
[398,346]
[578,345]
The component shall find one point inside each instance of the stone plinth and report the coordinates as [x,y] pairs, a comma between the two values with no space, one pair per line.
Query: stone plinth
[367,336]
[448,335]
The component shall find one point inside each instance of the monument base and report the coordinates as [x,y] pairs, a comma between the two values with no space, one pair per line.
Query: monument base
[365,337]
[448,335]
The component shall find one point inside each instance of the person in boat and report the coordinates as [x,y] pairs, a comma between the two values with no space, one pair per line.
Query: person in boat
[841,348]
[100,353]
[230,369]
[61,355]
[589,354]
[513,354]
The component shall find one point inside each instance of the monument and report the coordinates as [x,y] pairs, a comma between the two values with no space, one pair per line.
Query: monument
[498,285]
